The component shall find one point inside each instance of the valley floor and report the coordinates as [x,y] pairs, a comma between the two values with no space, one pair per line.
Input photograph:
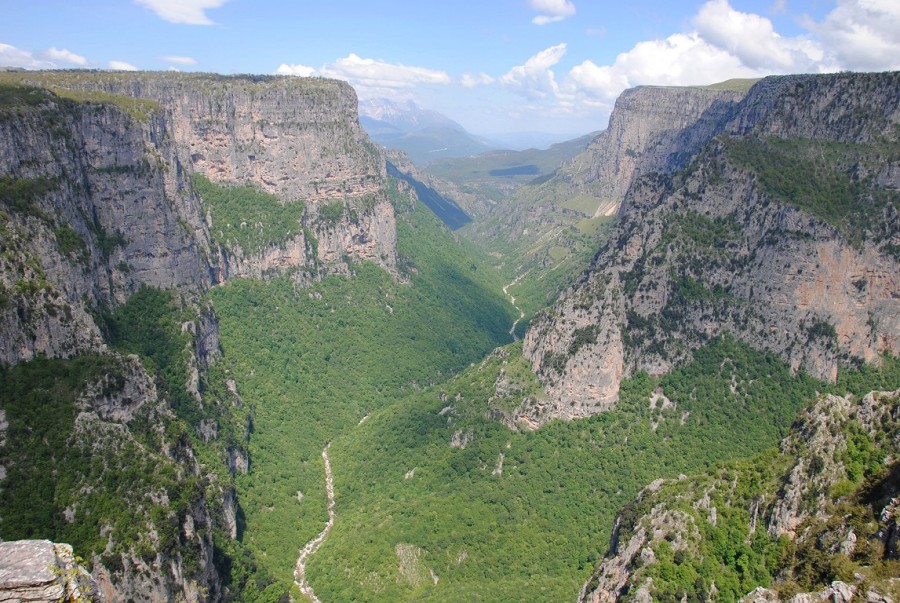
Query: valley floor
[313,545]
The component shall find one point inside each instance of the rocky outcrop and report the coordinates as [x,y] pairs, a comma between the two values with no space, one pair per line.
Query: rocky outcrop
[718,247]
[838,592]
[94,207]
[820,448]
[296,138]
[40,571]
[804,494]
[94,204]
[651,128]
[172,553]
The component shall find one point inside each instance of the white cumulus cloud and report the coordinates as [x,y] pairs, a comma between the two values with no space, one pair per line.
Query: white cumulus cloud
[862,35]
[10,56]
[535,79]
[373,77]
[551,10]
[190,12]
[52,58]
[65,56]
[121,66]
[753,39]
[179,60]
[725,43]
[679,60]
[469,80]
[300,70]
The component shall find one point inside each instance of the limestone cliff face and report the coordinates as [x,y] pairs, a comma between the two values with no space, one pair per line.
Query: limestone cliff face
[651,128]
[297,138]
[549,229]
[94,206]
[806,270]
[804,493]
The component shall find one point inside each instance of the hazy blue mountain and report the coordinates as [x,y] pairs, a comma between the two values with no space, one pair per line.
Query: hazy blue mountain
[423,134]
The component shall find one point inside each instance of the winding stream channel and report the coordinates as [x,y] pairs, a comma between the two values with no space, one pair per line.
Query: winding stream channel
[512,300]
[313,545]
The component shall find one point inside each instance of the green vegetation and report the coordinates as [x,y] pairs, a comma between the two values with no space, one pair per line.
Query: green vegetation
[832,181]
[107,242]
[585,204]
[141,109]
[312,361]
[446,209]
[246,218]
[13,96]
[545,263]
[492,172]
[540,525]
[734,84]
[51,490]
[330,213]
[18,90]
[150,325]
[728,554]
[21,195]
[70,243]
[737,560]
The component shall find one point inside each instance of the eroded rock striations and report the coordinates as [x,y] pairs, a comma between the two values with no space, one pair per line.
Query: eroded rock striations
[651,128]
[96,203]
[297,138]
[782,230]
[44,572]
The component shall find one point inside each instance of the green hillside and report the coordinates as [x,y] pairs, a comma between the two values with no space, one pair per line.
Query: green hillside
[421,520]
[313,361]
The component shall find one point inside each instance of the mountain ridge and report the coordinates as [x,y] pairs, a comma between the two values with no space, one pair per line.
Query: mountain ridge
[727,212]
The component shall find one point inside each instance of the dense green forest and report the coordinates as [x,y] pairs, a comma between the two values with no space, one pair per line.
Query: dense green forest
[730,558]
[52,446]
[363,362]
[312,361]
[539,525]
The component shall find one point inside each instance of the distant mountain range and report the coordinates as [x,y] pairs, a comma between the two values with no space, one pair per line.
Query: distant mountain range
[427,135]
[423,134]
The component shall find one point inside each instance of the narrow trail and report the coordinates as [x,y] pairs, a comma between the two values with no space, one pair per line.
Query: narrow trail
[313,545]
[512,300]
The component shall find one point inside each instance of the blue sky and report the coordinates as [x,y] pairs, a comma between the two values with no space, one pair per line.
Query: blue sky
[495,66]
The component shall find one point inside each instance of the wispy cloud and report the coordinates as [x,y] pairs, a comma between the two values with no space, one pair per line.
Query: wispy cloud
[375,73]
[52,58]
[299,70]
[65,56]
[179,60]
[371,77]
[469,80]
[551,10]
[535,79]
[189,12]
[11,56]
[121,66]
